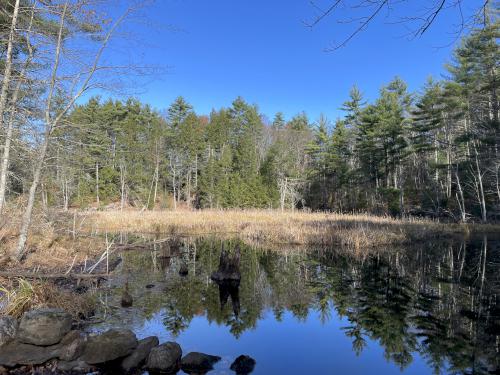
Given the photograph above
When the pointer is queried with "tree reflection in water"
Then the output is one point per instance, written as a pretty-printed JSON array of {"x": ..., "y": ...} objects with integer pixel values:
[{"x": 439, "y": 300}]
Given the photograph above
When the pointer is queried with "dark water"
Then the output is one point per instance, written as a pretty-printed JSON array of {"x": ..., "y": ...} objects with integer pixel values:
[{"x": 431, "y": 308}]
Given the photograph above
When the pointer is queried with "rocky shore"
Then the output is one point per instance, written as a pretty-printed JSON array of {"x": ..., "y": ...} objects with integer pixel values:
[{"x": 43, "y": 342}]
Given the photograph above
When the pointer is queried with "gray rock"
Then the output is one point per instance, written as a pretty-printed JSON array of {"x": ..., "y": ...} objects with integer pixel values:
[
  {"x": 8, "y": 329},
  {"x": 164, "y": 358},
  {"x": 108, "y": 346},
  {"x": 76, "y": 365},
  {"x": 18, "y": 353},
  {"x": 195, "y": 362},
  {"x": 140, "y": 354},
  {"x": 44, "y": 327},
  {"x": 72, "y": 346},
  {"x": 243, "y": 365}
]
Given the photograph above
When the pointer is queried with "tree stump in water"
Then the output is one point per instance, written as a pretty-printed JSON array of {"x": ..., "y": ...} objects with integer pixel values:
[{"x": 229, "y": 267}]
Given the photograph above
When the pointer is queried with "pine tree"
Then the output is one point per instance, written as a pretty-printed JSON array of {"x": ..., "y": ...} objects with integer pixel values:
[{"x": 279, "y": 121}]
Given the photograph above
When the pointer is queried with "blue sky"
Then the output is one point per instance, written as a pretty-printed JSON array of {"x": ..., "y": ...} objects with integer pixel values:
[{"x": 261, "y": 50}]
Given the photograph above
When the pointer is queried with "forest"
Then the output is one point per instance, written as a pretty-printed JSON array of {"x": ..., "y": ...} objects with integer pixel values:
[
  {"x": 139, "y": 237},
  {"x": 431, "y": 153}
]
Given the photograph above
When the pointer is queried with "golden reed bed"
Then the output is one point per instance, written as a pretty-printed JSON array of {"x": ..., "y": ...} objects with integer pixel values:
[{"x": 353, "y": 231}]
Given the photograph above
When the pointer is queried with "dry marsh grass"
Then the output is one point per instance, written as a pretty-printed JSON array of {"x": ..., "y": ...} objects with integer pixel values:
[
  {"x": 19, "y": 295},
  {"x": 353, "y": 231},
  {"x": 53, "y": 240}
]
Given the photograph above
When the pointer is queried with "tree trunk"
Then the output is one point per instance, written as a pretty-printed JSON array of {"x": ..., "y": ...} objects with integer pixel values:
[
  {"x": 97, "y": 183},
  {"x": 122, "y": 185},
  {"x": 23, "y": 233},
  {"x": 3, "y": 101},
  {"x": 4, "y": 167},
  {"x": 461, "y": 200},
  {"x": 8, "y": 62},
  {"x": 157, "y": 172},
  {"x": 480, "y": 189},
  {"x": 188, "y": 187},
  {"x": 157, "y": 177},
  {"x": 497, "y": 175}
]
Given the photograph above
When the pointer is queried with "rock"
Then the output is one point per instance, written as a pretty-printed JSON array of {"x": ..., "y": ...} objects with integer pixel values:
[
  {"x": 140, "y": 354},
  {"x": 76, "y": 365},
  {"x": 108, "y": 346},
  {"x": 44, "y": 327},
  {"x": 243, "y": 365},
  {"x": 8, "y": 329},
  {"x": 16, "y": 353},
  {"x": 195, "y": 362},
  {"x": 164, "y": 358},
  {"x": 72, "y": 346}
]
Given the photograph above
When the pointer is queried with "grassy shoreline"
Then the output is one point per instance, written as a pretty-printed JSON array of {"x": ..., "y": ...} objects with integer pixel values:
[
  {"x": 60, "y": 238},
  {"x": 352, "y": 231},
  {"x": 64, "y": 241}
]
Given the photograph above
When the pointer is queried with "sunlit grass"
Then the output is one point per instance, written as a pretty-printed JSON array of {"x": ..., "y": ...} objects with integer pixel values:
[
  {"x": 354, "y": 231},
  {"x": 20, "y": 295}
]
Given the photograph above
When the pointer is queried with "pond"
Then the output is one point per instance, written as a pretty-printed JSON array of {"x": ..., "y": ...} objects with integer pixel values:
[{"x": 432, "y": 308}]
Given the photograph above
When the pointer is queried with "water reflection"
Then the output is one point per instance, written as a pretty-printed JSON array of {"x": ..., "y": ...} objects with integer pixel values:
[{"x": 438, "y": 302}]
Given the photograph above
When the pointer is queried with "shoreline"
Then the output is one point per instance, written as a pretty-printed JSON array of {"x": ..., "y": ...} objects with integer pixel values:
[
  {"x": 78, "y": 240},
  {"x": 272, "y": 227}
]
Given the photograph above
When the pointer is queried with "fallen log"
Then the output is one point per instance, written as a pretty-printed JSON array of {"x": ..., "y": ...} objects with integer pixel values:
[{"x": 33, "y": 275}]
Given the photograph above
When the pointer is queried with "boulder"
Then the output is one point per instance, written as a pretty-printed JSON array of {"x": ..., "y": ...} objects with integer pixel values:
[
  {"x": 72, "y": 346},
  {"x": 195, "y": 362},
  {"x": 17, "y": 353},
  {"x": 43, "y": 327},
  {"x": 8, "y": 329},
  {"x": 243, "y": 365},
  {"x": 77, "y": 365},
  {"x": 108, "y": 346},
  {"x": 164, "y": 358},
  {"x": 140, "y": 354}
]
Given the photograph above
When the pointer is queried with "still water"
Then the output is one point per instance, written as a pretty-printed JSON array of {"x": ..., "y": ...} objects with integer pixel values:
[{"x": 432, "y": 308}]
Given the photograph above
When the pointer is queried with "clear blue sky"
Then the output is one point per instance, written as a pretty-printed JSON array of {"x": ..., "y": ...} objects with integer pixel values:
[{"x": 261, "y": 50}]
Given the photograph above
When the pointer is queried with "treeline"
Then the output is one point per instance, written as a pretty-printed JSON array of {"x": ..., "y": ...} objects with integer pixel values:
[{"x": 433, "y": 153}]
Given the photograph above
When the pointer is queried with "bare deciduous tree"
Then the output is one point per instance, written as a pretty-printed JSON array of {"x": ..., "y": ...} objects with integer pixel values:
[
  {"x": 363, "y": 13},
  {"x": 70, "y": 84}
]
